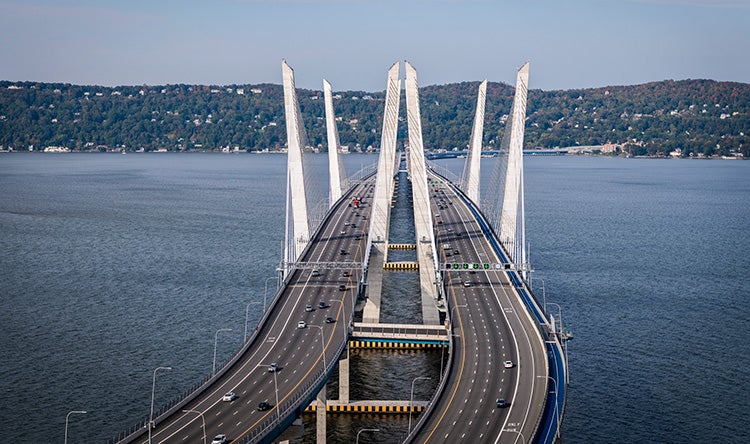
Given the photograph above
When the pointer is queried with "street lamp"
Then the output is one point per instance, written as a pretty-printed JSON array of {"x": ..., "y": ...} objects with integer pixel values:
[
  {"x": 456, "y": 306},
  {"x": 247, "y": 309},
  {"x": 265, "y": 291},
  {"x": 559, "y": 314},
  {"x": 276, "y": 388},
  {"x": 80, "y": 412},
  {"x": 364, "y": 430},
  {"x": 346, "y": 325},
  {"x": 202, "y": 418},
  {"x": 216, "y": 340},
  {"x": 411, "y": 398},
  {"x": 544, "y": 294},
  {"x": 322, "y": 345},
  {"x": 153, "y": 389}
]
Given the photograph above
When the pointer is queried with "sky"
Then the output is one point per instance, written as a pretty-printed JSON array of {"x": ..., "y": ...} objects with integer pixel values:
[{"x": 352, "y": 43}]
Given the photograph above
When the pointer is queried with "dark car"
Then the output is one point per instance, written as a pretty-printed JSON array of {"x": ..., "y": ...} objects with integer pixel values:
[
  {"x": 330, "y": 320},
  {"x": 501, "y": 402},
  {"x": 342, "y": 287},
  {"x": 263, "y": 406},
  {"x": 322, "y": 304}
]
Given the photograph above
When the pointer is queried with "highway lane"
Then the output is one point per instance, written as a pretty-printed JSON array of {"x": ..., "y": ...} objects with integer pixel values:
[
  {"x": 297, "y": 351},
  {"x": 490, "y": 326}
]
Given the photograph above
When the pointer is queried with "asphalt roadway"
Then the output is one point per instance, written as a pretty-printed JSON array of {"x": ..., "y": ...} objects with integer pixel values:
[
  {"x": 490, "y": 325},
  {"x": 298, "y": 352}
]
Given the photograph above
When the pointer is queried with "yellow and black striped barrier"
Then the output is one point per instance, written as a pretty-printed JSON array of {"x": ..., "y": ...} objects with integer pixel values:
[
  {"x": 402, "y": 246},
  {"x": 401, "y": 266},
  {"x": 392, "y": 345},
  {"x": 356, "y": 408}
]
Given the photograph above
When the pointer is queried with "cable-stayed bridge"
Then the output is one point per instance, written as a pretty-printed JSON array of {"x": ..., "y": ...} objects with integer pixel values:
[{"x": 506, "y": 373}]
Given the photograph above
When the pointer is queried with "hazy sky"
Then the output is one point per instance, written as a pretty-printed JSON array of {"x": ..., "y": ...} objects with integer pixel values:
[{"x": 352, "y": 43}]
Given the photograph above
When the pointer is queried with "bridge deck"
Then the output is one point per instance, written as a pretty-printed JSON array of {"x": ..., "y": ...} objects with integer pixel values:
[{"x": 489, "y": 325}]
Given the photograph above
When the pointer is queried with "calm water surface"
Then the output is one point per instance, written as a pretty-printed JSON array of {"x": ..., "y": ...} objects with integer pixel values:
[{"x": 113, "y": 265}]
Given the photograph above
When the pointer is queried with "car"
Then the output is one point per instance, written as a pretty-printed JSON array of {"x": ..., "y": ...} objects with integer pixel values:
[
  {"x": 342, "y": 251},
  {"x": 309, "y": 308},
  {"x": 322, "y": 304},
  {"x": 501, "y": 402},
  {"x": 229, "y": 397},
  {"x": 301, "y": 324},
  {"x": 456, "y": 252},
  {"x": 343, "y": 232},
  {"x": 467, "y": 284},
  {"x": 357, "y": 237},
  {"x": 316, "y": 273},
  {"x": 364, "y": 217},
  {"x": 263, "y": 406},
  {"x": 330, "y": 320},
  {"x": 508, "y": 364},
  {"x": 342, "y": 287},
  {"x": 219, "y": 439},
  {"x": 273, "y": 367},
  {"x": 346, "y": 224},
  {"x": 346, "y": 274},
  {"x": 354, "y": 225}
]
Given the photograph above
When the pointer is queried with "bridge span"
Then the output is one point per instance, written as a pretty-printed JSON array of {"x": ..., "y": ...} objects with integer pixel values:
[{"x": 506, "y": 374}]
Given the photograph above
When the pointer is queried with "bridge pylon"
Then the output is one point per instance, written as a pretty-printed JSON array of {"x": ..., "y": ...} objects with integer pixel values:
[
  {"x": 512, "y": 217},
  {"x": 377, "y": 242},
  {"x": 471, "y": 173},
  {"x": 297, "y": 223},
  {"x": 423, "y": 217},
  {"x": 335, "y": 167}
]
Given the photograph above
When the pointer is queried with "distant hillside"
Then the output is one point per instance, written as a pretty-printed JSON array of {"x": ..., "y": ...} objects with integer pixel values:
[{"x": 700, "y": 117}]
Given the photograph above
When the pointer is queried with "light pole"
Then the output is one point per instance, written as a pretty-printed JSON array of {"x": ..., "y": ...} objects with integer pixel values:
[
  {"x": 322, "y": 345},
  {"x": 216, "y": 340},
  {"x": 202, "y": 418},
  {"x": 346, "y": 325},
  {"x": 247, "y": 309},
  {"x": 364, "y": 430},
  {"x": 411, "y": 398},
  {"x": 544, "y": 294},
  {"x": 559, "y": 315},
  {"x": 265, "y": 291},
  {"x": 153, "y": 390},
  {"x": 79, "y": 412},
  {"x": 275, "y": 387},
  {"x": 450, "y": 324},
  {"x": 457, "y": 306}
]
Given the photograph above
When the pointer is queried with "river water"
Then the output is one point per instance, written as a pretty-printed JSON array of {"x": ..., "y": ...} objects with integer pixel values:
[{"x": 113, "y": 265}]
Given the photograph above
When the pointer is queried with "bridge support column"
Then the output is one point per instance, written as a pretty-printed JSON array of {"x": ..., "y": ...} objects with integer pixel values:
[
  {"x": 320, "y": 416},
  {"x": 344, "y": 380}
]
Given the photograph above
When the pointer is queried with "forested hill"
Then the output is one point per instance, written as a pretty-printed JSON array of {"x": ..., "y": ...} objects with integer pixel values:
[{"x": 700, "y": 117}]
